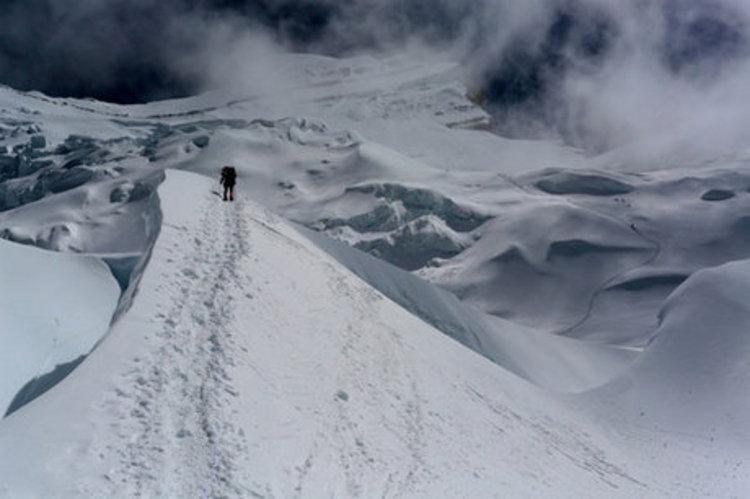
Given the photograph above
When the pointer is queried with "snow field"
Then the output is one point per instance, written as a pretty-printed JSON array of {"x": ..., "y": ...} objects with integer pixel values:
[
  {"x": 605, "y": 291},
  {"x": 309, "y": 387}
]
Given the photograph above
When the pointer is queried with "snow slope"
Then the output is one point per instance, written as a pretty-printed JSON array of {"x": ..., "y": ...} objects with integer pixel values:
[
  {"x": 685, "y": 395},
  {"x": 53, "y": 309},
  {"x": 603, "y": 296},
  {"x": 694, "y": 373},
  {"x": 371, "y": 151},
  {"x": 230, "y": 375},
  {"x": 555, "y": 362}
]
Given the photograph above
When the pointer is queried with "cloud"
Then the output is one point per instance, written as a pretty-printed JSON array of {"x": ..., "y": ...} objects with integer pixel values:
[
  {"x": 604, "y": 74},
  {"x": 107, "y": 48},
  {"x": 599, "y": 73}
]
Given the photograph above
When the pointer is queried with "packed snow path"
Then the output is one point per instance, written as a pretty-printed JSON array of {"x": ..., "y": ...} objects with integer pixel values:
[{"x": 175, "y": 400}]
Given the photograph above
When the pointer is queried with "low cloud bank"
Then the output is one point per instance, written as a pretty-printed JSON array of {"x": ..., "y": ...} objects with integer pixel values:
[{"x": 598, "y": 73}]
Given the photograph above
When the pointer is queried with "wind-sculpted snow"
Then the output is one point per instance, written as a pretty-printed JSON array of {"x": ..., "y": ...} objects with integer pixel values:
[
  {"x": 244, "y": 359},
  {"x": 551, "y": 254},
  {"x": 399, "y": 185},
  {"x": 344, "y": 393},
  {"x": 82, "y": 211},
  {"x": 691, "y": 381},
  {"x": 558, "y": 363},
  {"x": 230, "y": 375},
  {"x": 640, "y": 282},
  {"x": 53, "y": 309},
  {"x": 554, "y": 247},
  {"x": 694, "y": 371},
  {"x": 104, "y": 178}
]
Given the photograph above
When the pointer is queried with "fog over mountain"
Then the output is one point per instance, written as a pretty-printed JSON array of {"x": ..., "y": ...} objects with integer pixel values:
[
  {"x": 85, "y": 48},
  {"x": 601, "y": 73},
  {"x": 579, "y": 66}
]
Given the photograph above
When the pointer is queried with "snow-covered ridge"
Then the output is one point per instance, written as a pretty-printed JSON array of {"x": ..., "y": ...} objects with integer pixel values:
[
  {"x": 344, "y": 392},
  {"x": 449, "y": 204},
  {"x": 560, "y": 269}
]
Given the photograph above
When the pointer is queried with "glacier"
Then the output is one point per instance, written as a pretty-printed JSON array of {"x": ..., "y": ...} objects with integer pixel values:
[{"x": 400, "y": 303}]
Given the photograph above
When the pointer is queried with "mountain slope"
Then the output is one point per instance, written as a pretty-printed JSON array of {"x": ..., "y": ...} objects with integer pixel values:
[
  {"x": 257, "y": 381},
  {"x": 55, "y": 307},
  {"x": 390, "y": 156},
  {"x": 250, "y": 359}
]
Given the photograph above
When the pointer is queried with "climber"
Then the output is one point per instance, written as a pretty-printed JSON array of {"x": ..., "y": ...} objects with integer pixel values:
[{"x": 228, "y": 179}]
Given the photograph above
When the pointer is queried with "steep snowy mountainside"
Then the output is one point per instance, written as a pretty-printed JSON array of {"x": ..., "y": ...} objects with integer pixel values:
[
  {"x": 330, "y": 144},
  {"x": 252, "y": 359},
  {"x": 555, "y": 362},
  {"x": 366, "y": 150},
  {"x": 231, "y": 375}
]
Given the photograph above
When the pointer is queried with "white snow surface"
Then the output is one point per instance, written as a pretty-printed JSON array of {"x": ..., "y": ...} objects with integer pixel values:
[
  {"x": 556, "y": 362},
  {"x": 54, "y": 307},
  {"x": 561, "y": 325},
  {"x": 230, "y": 375}
]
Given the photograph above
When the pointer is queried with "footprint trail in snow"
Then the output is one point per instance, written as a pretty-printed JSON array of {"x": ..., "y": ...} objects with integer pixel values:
[{"x": 174, "y": 409}]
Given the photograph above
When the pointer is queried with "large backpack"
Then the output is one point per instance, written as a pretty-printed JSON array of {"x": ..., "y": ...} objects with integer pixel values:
[{"x": 228, "y": 174}]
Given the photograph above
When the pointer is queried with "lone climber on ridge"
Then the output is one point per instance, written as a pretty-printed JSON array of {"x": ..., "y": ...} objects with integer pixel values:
[{"x": 228, "y": 179}]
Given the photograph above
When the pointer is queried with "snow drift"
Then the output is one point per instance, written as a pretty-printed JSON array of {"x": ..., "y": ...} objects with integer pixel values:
[{"x": 53, "y": 309}]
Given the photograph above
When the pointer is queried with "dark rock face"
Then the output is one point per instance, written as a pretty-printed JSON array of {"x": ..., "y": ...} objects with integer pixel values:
[
  {"x": 124, "y": 53},
  {"x": 702, "y": 35},
  {"x": 525, "y": 85}
]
